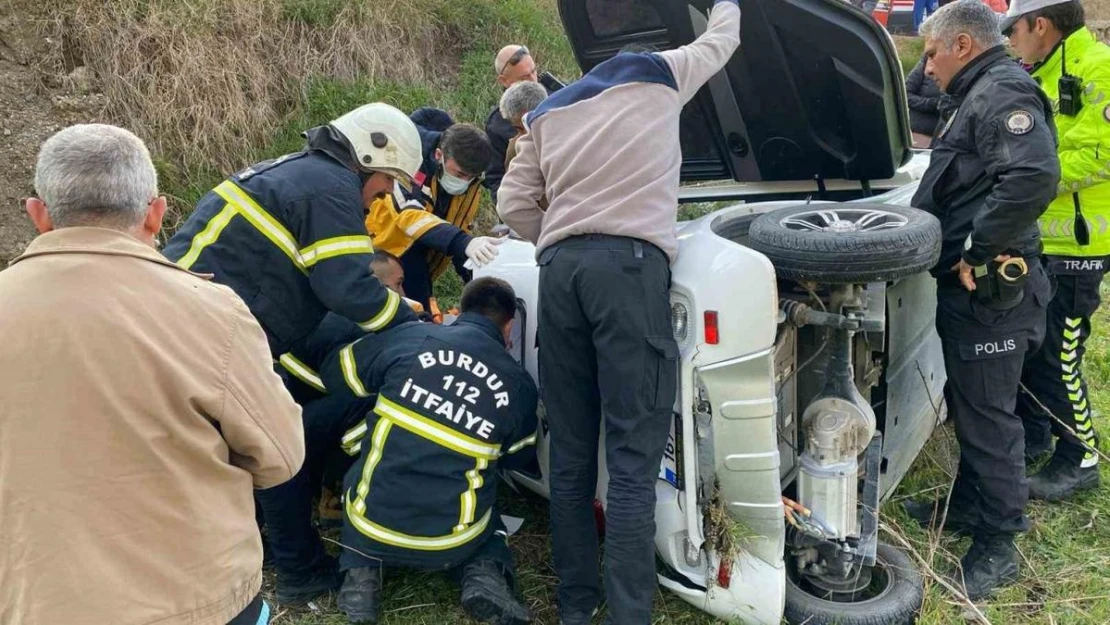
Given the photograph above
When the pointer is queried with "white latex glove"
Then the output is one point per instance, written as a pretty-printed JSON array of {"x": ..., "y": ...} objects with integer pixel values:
[{"x": 482, "y": 250}]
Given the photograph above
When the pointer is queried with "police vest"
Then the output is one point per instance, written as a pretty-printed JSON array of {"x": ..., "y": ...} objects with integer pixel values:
[{"x": 1084, "y": 148}]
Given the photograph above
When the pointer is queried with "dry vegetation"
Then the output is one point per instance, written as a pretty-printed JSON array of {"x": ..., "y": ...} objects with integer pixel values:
[{"x": 214, "y": 85}]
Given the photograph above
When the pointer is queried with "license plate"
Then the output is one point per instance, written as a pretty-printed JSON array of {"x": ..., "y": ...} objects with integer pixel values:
[{"x": 670, "y": 469}]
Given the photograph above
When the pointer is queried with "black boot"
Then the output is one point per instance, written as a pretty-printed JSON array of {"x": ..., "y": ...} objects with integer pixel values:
[
  {"x": 487, "y": 597},
  {"x": 1062, "y": 478},
  {"x": 361, "y": 596},
  {"x": 302, "y": 587},
  {"x": 960, "y": 520},
  {"x": 990, "y": 563}
]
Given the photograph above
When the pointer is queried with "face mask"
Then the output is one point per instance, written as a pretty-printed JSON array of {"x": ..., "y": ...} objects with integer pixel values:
[{"x": 451, "y": 184}]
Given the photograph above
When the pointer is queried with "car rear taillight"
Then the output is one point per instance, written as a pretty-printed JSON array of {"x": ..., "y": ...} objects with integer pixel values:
[{"x": 712, "y": 333}]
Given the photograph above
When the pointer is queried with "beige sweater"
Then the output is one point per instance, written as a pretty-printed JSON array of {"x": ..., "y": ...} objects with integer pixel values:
[
  {"x": 605, "y": 150},
  {"x": 138, "y": 410}
]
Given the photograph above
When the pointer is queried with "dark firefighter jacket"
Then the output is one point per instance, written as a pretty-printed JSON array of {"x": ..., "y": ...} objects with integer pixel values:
[
  {"x": 993, "y": 168},
  {"x": 299, "y": 367},
  {"x": 427, "y": 228},
  {"x": 452, "y": 409},
  {"x": 287, "y": 236}
]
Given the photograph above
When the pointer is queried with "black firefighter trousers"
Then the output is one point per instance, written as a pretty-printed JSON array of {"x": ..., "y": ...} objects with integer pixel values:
[
  {"x": 607, "y": 355},
  {"x": 984, "y": 353},
  {"x": 1054, "y": 373}
]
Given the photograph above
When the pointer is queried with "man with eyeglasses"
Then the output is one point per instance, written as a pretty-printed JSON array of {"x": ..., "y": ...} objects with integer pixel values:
[
  {"x": 513, "y": 64},
  {"x": 428, "y": 227}
]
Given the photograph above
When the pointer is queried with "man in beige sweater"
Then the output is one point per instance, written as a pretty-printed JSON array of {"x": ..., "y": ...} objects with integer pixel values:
[
  {"x": 138, "y": 409},
  {"x": 605, "y": 151}
]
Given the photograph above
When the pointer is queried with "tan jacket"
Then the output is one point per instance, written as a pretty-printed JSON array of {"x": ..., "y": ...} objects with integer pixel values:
[{"x": 138, "y": 408}]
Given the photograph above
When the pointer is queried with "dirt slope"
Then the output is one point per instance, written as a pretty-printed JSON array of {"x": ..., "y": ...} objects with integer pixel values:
[{"x": 32, "y": 107}]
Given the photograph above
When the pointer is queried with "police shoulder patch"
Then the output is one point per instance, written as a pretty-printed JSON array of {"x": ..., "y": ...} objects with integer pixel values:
[{"x": 1019, "y": 122}]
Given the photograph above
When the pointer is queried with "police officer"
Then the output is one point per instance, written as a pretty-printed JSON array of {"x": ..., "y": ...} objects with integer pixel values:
[
  {"x": 993, "y": 171},
  {"x": 1046, "y": 33},
  {"x": 452, "y": 408},
  {"x": 287, "y": 235},
  {"x": 428, "y": 227}
]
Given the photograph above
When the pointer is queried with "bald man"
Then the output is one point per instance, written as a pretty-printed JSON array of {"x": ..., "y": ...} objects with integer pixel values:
[{"x": 513, "y": 64}]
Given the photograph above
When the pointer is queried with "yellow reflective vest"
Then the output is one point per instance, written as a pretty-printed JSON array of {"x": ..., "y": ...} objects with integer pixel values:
[
  {"x": 1084, "y": 147},
  {"x": 394, "y": 222}
]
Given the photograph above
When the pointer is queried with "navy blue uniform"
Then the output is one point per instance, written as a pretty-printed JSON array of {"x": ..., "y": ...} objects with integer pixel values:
[
  {"x": 287, "y": 236},
  {"x": 993, "y": 171},
  {"x": 452, "y": 409},
  {"x": 287, "y": 508}
]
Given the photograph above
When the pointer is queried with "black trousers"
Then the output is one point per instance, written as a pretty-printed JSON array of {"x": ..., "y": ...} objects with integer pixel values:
[
  {"x": 607, "y": 355},
  {"x": 287, "y": 508},
  {"x": 1054, "y": 374},
  {"x": 256, "y": 613},
  {"x": 984, "y": 353}
]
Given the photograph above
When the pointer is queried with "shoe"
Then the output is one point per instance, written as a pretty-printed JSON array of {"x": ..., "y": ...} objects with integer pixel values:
[
  {"x": 300, "y": 589},
  {"x": 990, "y": 563},
  {"x": 487, "y": 597},
  {"x": 1062, "y": 478},
  {"x": 360, "y": 597},
  {"x": 928, "y": 514}
]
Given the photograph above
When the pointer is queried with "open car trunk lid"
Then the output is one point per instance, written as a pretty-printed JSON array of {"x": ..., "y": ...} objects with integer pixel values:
[{"x": 815, "y": 91}]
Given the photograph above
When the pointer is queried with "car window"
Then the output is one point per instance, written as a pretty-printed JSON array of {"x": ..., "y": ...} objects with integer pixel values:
[{"x": 612, "y": 18}]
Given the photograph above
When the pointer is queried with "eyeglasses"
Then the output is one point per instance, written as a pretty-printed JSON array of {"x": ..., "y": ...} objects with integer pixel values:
[{"x": 517, "y": 57}]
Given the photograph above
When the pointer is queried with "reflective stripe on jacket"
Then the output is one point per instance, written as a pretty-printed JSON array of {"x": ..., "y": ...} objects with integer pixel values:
[
  {"x": 1084, "y": 147},
  {"x": 287, "y": 236},
  {"x": 452, "y": 409}
]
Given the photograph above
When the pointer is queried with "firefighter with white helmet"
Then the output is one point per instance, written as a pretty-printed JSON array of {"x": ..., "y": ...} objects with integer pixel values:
[{"x": 287, "y": 235}]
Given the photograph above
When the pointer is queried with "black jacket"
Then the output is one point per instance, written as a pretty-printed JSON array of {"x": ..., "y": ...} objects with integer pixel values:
[
  {"x": 287, "y": 235},
  {"x": 452, "y": 409},
  {"x": 500, "y": 132},
  {"x": 994, "y": 168},
  {"x": 299, "y": 368},
  {"x": 924, "y": 96}
]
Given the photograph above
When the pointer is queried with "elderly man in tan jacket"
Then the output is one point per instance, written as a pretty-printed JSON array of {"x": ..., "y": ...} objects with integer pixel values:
[{"x": 138, "y": 408}]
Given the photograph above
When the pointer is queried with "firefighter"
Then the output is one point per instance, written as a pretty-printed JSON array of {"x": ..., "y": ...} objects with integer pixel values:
[
  {"x": 452, "y": 408},
  {"x": 428, "y": 227},
  {"x": 1046, "y": 33},
  {"x": 287, "y": 234},
  {"x": 304, "y": 570},
  {"x": 992, "y": 172}
]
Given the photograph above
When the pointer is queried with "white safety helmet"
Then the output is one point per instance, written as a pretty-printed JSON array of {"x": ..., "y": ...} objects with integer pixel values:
[{"x": 382, "y": 139}]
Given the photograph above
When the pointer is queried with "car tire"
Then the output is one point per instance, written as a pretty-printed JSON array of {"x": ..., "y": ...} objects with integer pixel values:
[
  {"x": 898, "y": 602},
  {"x": 804, "y": 245}
]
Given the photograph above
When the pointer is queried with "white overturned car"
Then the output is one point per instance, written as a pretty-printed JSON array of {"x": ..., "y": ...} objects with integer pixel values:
[{"x": 810, "y": 367}]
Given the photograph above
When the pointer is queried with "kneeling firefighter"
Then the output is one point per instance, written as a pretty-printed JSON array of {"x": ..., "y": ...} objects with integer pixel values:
[
  {"x": 304, "y": 569},
  {"x": 452, "y": 409},
  {"x": 428, "y": 227}
]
